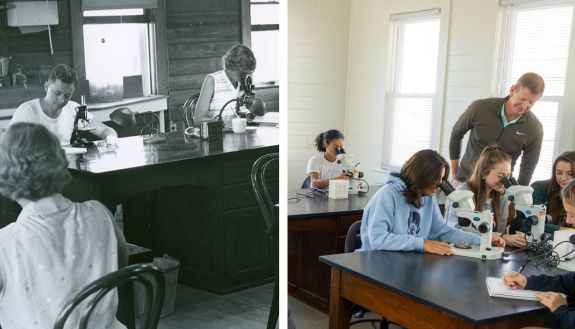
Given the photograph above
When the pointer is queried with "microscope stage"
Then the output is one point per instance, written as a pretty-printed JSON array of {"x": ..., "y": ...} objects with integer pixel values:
[{"x": 494, "y": 253}]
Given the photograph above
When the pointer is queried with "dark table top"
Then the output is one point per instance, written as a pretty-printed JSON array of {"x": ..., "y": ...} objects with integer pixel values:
[
  {"x": 452, "y": 284},
  {"x": 133, "y": 153},
  {"x": 318, "y": 206}
]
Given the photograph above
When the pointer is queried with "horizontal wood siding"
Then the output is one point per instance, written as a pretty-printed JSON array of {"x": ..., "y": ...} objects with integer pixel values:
[{"x": 198, "y": 34}]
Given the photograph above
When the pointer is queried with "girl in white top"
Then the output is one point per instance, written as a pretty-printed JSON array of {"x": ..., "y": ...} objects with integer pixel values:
[
  {"x": 489, "y": 192},
  {"x": 323, "y": 166},
  {"x": 222, "y": 86},
  {"x": 56, "y": 246}
]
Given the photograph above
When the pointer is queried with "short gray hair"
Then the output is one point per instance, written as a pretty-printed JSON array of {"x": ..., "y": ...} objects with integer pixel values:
[{"x": 32, "y": 163}]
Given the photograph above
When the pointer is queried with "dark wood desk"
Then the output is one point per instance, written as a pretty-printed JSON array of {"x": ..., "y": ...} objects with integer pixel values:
[
  {"x": 318, "y": 226},
  {"x": 191, "y": 200},
  {"x": 418, "y": 290}
]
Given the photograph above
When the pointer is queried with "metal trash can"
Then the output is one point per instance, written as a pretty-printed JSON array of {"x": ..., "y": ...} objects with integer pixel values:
[{"x": 170, "y": 267}]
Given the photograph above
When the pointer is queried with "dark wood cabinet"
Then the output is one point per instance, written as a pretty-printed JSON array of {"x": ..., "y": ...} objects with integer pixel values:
[{"x": 309, "y": 238}]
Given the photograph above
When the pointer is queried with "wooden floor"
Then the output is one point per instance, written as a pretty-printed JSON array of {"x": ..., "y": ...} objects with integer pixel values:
[{"x": 198, "y": 309}]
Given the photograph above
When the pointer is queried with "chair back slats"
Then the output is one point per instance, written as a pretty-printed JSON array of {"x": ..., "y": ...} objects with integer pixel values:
[
  {"x": 262, "y": 188},
  {"x": 189, "y": 109},
  {"x": 147, "y": 274}
]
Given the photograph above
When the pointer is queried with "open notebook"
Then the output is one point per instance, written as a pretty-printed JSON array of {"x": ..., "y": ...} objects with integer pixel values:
[{"x": 496, "y": 288}]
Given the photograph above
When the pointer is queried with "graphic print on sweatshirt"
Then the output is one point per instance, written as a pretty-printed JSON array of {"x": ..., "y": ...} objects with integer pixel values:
[{"x": 413, "y": 223}]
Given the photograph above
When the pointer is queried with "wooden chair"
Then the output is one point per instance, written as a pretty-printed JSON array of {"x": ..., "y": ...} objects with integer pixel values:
[
  {"x": 189, "y": 109},
  {"x": 148, "y": 275},
  {"x": 270, "y": 212}
]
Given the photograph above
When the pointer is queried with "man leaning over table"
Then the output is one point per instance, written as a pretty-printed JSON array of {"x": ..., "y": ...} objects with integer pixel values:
[
  {"x": 506, "y": 122},
  {"x": 56, "y": 112}
]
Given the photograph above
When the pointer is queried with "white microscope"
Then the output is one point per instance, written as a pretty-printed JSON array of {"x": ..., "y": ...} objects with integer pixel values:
[
  {"x": 525, "y": 210},
  {"x": 356, "y": 182},
  {"x": 482, "y": 221}
]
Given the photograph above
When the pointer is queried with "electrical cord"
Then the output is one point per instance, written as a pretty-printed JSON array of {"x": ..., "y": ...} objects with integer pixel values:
[
  {"x": 313, "y": 193},
  {"x": 552, "y": 257}
]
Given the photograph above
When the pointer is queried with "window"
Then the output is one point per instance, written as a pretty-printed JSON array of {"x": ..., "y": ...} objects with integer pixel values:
[
  {"x": 412, "y": 100},
  {"x": 265, "y": 39},
  {"x": 117, "y": 46},
  {"x": 535, "y": 38}
]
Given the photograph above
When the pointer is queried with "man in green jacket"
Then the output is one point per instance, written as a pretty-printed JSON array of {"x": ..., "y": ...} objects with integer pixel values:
[{"x": 506, "y": 122}]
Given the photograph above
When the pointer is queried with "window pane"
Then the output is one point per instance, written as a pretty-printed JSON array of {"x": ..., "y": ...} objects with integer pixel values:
[
  {"x": 546, "y": 112},
  {"x": 265, "y": 45},
  {"x": 113, "y": 51},
  {"x": 410, "y": 129},
  {"x": 538, "y": 41},
  {"x": 265, "y": 14},
  {"x": 417, "y": 73},
  {"x": 114, "y": 12},
  {"x": 541, "y": 45}
]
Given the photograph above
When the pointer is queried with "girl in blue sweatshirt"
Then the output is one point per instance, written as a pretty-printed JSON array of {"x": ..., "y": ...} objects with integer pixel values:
[
  {"x": 404, "y": 215},
  {"x": 552, "y": 287}
]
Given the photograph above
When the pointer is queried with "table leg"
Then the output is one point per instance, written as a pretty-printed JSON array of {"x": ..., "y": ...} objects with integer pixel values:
[{"x": 339, "y": 308}]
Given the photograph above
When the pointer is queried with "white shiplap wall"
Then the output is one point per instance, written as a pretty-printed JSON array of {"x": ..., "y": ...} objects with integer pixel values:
[
  {"x": 369, "y": 80},
  {"x": 471, "y": 49},
  {"x": 469, "y": 72},
  {"x": 318, "y": 33}
]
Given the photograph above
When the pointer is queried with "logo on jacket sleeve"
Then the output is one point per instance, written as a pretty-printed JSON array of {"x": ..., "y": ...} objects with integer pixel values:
[{"x": 413, "y": 223}]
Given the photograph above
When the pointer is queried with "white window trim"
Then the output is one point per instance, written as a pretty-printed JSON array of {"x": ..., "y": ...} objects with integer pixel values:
[
  {"x": 437, "y": 107},
  {"x": 501, "y": 71}
]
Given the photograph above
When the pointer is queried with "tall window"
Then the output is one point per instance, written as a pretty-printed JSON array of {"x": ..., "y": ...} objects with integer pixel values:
[
  {"x": 411, "y": 103},
  {"x": 265, "y": 39},
  {"x": 117, "y": 46},
  {"x": 535, "y": 38}
]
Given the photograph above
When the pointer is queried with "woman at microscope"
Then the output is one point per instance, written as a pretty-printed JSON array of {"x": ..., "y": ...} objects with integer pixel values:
[
  {"x": 404, "y": 214},
  {"x": 551, "y": 287},
  {"x": 221, "y": 86},
  {"x": 323, "y": 166},
  {"x": 548, "y": 191},
  {"x": 489, "y": 193}
]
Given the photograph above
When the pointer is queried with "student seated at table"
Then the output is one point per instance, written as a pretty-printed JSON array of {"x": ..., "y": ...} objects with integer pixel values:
[
  {"x": 224, "y": 85},
  {"x": 489, "y": 193},
  {"x": 56, "y": 246},
  {"x": 548, "y": 191},
  {"x": 56, "y": 112},
  {"x": 404, "y": 215},
  {"x": 323, "y": 167},
  {"x": 551, "y": 287}
]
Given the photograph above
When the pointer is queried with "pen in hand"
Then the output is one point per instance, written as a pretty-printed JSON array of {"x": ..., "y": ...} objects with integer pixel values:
[{"x": 521, "y": 268}]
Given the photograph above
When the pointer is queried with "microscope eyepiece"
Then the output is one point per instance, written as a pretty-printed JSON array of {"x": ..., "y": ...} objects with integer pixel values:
[
  {"x": 508, "y": 181},
  {"x": 446, "y": 187}
]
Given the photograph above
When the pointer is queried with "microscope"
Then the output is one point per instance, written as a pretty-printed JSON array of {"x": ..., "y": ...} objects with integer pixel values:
[
  {"x": 525, "y": 210},
  {"x": 482, "y": 221},
  {"x": 76, "y": 140},
  {"x": 356, "y": 182}
]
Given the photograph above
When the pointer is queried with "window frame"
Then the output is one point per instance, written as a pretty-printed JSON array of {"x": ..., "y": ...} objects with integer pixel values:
[
  {"x": 154, "y": 17},
  {"x": 502, "y": 71},
  {"x": 394, "y": 76},
  {"x": 248, "y": 28}
]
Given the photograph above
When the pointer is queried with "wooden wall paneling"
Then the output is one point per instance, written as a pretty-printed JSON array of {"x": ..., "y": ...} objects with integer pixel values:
[
  {"x": 187, "y": 20},
  {"x": 199, "y": 50},
  {"x": 201, "y": 6},
  {"x": 203, "y": 33},
  {"x": 198, "y": 34},
  {"x": 200, "y": 65}
]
